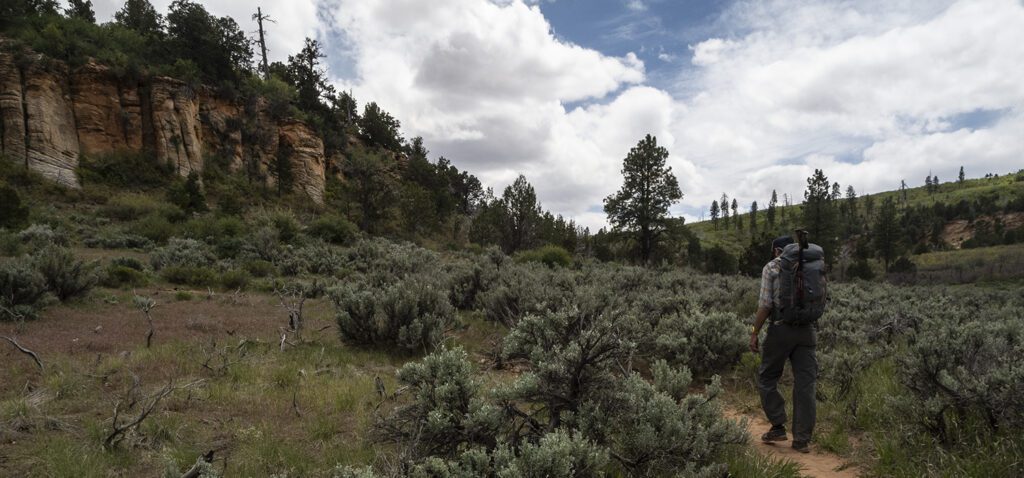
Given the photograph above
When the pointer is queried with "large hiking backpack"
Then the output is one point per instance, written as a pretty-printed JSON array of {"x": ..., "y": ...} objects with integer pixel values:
[{"x": 802, "y": 287}]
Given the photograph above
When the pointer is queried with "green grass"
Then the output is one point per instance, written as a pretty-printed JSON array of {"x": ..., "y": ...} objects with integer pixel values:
[{"x": 745, "y": 462}]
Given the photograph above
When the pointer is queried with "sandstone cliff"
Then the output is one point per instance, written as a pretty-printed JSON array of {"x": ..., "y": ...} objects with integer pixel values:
[{"x": 49, "y": 116}]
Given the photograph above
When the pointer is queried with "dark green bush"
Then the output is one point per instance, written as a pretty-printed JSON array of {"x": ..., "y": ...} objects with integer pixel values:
[
  {"x": 196, "y": 276},
  {"x": 718, "y": 261},
  {"x": 259, "y": 268},
  {"x": 903, "y": 265},
  {"x": 65, "y": 276},
  {"x": 860, "y": 270},
  {"x": 13, "y": 214},
  {"x": 334, "y": 229},
  {"x": 154, "y": 227},
  {"x": 129, "y": 207},
  {"x": 125, "y": 169},
  {"x": 549, "y": 255},
  {"x": 117, "y": 276},
  {"x": 10, "y": 245},
  {"x": 188, "y": 194},
  {"x": 235, "y": 279}
]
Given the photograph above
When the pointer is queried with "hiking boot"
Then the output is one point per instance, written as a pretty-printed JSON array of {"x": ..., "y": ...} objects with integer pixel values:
[
  {"x": 777, "y": 433},
  {"x": 802, "y": 446}
]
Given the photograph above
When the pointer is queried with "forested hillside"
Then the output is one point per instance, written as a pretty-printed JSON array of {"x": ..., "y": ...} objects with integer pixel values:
[{"x": 893, "y": 231}]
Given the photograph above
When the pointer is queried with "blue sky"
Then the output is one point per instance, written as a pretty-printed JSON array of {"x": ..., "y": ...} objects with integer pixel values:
[{"x": 658, "y": 31}]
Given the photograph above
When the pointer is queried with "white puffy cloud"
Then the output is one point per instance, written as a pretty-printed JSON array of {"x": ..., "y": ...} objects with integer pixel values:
[
  {"x": 486, "y": 84},
  {"x": 867, "y": 91}
]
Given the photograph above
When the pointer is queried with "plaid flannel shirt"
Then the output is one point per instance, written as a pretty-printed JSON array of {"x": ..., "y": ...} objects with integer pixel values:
[{"x": 768, "y": 297}]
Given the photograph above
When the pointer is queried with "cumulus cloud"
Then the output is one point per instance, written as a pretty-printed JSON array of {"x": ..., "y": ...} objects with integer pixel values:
[
  {"x": 865, "y": 91},
  {"x": 486, "y": 85}
]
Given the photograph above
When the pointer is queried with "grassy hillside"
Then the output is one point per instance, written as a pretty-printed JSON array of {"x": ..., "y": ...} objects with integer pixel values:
[{"x": 997, "y": 191}]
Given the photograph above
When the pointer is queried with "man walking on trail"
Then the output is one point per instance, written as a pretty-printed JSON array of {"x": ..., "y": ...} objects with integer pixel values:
[{"x": 791, "y": 300}]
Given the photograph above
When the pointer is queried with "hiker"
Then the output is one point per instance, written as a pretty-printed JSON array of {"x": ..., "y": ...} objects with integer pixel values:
[{"x": 792, "y": 298}]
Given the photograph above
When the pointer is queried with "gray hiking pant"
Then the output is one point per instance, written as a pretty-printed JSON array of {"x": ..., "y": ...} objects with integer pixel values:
[{"x": 797, "y": 344}]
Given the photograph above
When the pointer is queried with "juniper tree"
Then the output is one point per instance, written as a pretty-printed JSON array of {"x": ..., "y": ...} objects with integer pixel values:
[
  {"x": 961, "y": 178},
  {"x": 649, "y": 188},
  {"x": 521, "y": 215}
]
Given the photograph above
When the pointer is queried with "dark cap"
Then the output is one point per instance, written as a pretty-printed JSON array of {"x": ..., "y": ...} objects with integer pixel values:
[{"x": 781, "y": 242}]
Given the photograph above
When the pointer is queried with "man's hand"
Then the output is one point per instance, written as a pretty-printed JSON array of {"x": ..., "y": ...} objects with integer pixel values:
[{"x": 753, "y": 343}]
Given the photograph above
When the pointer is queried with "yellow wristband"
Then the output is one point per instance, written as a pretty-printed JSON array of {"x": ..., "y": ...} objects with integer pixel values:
[{"x": 754, "y": 330}]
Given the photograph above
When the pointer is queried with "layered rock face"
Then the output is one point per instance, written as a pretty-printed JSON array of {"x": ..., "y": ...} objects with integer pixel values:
[
  {"x": 38, "y": 121},
  {"x": 49, "y": 116}
]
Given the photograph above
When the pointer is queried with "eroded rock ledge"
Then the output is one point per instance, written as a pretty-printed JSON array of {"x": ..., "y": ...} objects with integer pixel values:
[{"x": 50, "y": 116}]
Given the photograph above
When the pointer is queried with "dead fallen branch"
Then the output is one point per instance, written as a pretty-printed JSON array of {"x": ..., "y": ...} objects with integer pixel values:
[
  {"x": 24, "y": 350},
  {"x": 119, "y": 429}
]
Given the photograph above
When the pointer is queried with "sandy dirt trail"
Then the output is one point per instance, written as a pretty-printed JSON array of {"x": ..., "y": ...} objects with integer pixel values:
[{"x": 816, "y": 464}]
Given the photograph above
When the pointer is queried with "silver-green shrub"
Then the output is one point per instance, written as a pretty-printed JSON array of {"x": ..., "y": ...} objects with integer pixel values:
[
  {"x": 182, "y": 253},
  {"x": 65, "y": 276},
  {"x": 411, "y": 314},
  {"x": 22, "y": 288}
]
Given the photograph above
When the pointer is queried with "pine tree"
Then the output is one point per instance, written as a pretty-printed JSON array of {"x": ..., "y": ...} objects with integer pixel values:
[
  {"x": 770, "y": 214},
  {"x": 961, "y": 178},
  {"x": 81, "y": 9},
  {"x": 736, "y": 215},
  {"x": 725, "y": 210},
  {"x": 714, "y": 214},
  {"x": 309, "y": 77},
  {"x": 836, "y": 191},
  {"x": 903, "y": 190},
  {"x": 819, "y": 212},
  {"x": 139, "y": 15},
  {"x": 649, "y": 188},
  {"x": 886, "y": 233},
  {"x": 753, "y": 218}
]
